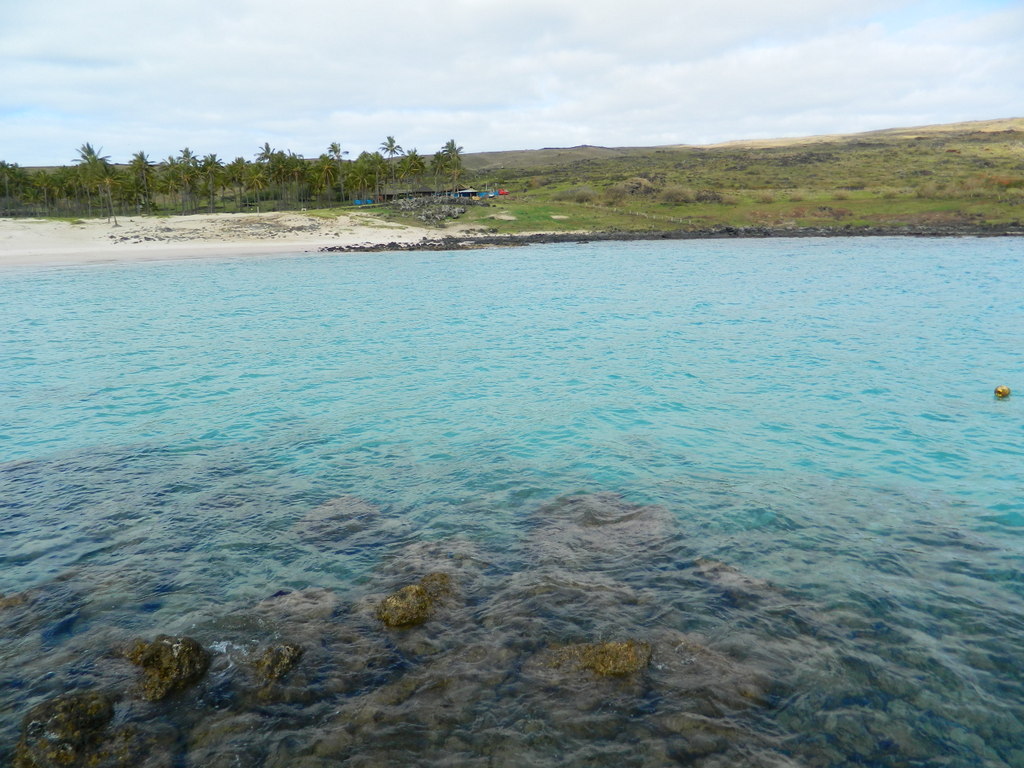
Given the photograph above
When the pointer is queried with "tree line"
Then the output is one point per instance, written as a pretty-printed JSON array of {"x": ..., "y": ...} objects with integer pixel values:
[{"x": 188, "y": 183}]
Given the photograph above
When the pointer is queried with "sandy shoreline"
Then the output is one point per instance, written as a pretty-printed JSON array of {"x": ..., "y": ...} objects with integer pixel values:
[{"x": 42, "y": 242}]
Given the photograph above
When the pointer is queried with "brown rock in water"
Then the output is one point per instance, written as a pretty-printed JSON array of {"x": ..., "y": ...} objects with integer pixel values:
[
  {"x": 611, "y": 659},
  {"x": 437, "y": 585},
  {"x": 63, "y": 731},
  {"x": 708, "y": 681},
  {"x": 11, "y": 601},
  {"x": 733, "y": 582},
  {"x": 407, "y": 607},
  {"x": 278, "y": 661},
  {"x": 414, "y": 604},
  {"x": 169, "y": 664}
]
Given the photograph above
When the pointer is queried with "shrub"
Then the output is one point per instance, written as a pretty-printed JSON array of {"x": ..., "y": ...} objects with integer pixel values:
[
  {"x": 638, "y": 186},
  {"x": 614, "y": 194},
  {"x": 577, "y": 195},
  {"x": 676, "y": 193},
  {"x": 709, "y": 196},
  {"x": 766, "y": 197}
]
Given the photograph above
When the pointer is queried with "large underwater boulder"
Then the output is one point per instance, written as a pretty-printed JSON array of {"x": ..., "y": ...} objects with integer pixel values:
[{"x": 64, "y": 730}]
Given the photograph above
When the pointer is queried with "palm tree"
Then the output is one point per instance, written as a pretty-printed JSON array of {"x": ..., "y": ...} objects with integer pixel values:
[
  {"x": 412, "y": 165},
  {"x": 48, "y": 186},
  {"x": 235, "y": 174},
  {"x": 109, "y": 179},
  {"x": 188, "y": 174},
  {"x": 437, "y": 168},
  {"x": 98, "y": 174},
  {"x": 212, "y": 168},
  {"x": 391, "y": 150},
  {"x": 170, "y": 177},
  {"x": 90, "y": 168},
  {"x": 362, "y": 174},
  {"x": 452, "y": 153},
  {"x": 323, "y": 174},
  {"x": 265, "y": 153},
  {"x": 65, "y": 181},
  {"x": 298, "y": 169},
  {"x": 142, "y": 173},
  {"x": 12, "y": 176},
  {"x": 278, "y": 170},
  {"x": 337, "y": 154},
  {"x": 256, "y": 180}
]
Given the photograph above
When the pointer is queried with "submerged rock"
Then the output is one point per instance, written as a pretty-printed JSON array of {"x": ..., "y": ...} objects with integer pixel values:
[
  {"x": 414, "y": 604},
  {"x": 299, "y": 606},
  {"x": 597, "y": 529},
  {"x": 710, "y": 682},
  {"x": 169, "y": 664},
  {"x": 611, "y": 659},
  {"x": 276, "y": 662},
  {"x": 735, "y": 584},
  {"x": 343, "y": 519},
  {"x": 64, "y": 730},
  {"x": 12, "y": 601}
]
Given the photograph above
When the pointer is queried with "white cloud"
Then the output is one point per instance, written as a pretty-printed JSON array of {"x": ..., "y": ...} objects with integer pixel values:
[{"x": 227, "y": 76}]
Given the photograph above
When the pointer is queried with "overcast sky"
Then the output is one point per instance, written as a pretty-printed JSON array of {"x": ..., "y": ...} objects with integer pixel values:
[{"x": 225, "y": 76}]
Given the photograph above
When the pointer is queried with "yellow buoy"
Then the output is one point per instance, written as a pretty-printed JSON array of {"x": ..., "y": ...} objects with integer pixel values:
[{"x": 1002, "y": 391}]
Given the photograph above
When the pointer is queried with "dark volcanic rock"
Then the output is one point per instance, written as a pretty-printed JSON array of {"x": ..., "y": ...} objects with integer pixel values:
[
  {"x": 64, "y": 730},
  {"x": 466, "y": 242},
  {"x": 169, "y": 664}
]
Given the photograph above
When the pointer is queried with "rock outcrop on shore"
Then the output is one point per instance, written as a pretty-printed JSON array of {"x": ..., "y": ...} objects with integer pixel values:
[{"x": 467, "y": 241}]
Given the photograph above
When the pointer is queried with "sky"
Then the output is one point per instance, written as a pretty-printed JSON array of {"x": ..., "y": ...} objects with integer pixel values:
[{"x": 227, "y": 76}]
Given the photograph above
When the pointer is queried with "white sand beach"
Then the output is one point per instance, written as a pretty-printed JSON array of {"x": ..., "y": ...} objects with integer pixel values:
[{"x": 28, "y": 242}]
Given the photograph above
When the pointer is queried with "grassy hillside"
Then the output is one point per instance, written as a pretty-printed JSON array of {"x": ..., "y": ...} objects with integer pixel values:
[{"x": 962, "y": 174}]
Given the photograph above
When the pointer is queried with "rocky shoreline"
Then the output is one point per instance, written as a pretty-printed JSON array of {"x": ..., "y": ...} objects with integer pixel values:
[{"x": 468, "y": 241}]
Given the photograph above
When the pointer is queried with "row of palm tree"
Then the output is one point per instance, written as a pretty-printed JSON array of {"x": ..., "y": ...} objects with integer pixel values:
[{"x": 188, "y": 183}]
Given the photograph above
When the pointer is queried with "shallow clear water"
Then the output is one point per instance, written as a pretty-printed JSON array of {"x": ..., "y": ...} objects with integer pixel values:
[{"x": 795, "y": 443}]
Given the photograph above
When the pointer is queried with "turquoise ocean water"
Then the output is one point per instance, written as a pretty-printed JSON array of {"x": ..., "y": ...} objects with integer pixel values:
[{"x": 783, "y": 453}]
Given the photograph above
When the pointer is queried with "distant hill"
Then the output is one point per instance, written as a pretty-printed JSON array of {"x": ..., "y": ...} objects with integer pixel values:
[{"x": 527, "y": 159}]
